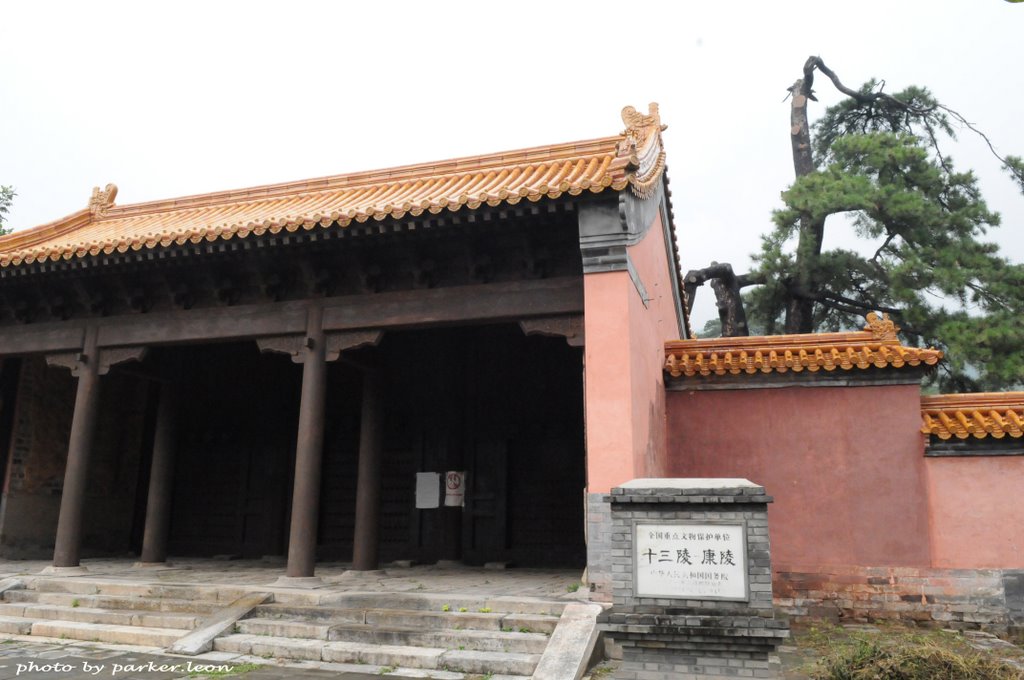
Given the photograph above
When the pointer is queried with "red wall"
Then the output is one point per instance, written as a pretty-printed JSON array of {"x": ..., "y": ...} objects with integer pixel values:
[
  {"x": 650, "y": 327},
  {"x": 624, "y": 359},
  {"x": 845, "y": 465},
  {"x": 977, "y": 509}
]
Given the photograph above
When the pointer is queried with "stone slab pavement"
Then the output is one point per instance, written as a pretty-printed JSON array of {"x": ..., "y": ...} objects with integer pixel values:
[{"x": 262, "y": 574}]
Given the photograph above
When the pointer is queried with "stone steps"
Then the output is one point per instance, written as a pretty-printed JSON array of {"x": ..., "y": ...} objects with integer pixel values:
[
  {"x": 118, "y": 617},
  {"x": 114, "y": 613},
  {"x": 188, "y": 592},
  {"x": 118, "y": 602},
  {"x": 432, "y": 635},
  {"x": 14, "y": 625},
  {"x": 422, "y": 633},
  {"x": 437, "y": 602},
  {"x": 389, "y": 656},
  {"x": 105, "y": 632},
  {"x": 418, "y": 618},
  {"x": 450, "y": 638}
]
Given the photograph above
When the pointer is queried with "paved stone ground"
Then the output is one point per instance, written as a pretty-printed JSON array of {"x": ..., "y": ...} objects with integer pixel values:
[
  {"x": 546, "y": 583},
  {"x": 261, "y": 574}
]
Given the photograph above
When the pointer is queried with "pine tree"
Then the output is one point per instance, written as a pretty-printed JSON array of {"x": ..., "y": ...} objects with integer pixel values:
[
  {"x": 874, "y": 164},
  {"x": 7, "y": 195}
]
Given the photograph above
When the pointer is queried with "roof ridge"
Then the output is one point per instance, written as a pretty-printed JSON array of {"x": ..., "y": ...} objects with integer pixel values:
[
  {"x": 753, "y": 341},
  {"x": 958, "y": 401},
  {"x": 494, "y": 179},
  {"x": 877, "y": 345},
  {"x": 973, "y": 414},
  {"x": 362, "y": 178},
  {"x": 634, "y": 158}
]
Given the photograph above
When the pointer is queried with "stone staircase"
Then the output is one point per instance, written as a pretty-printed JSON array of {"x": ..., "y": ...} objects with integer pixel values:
[
  {"x": 444, "y": 636},
  {"x": 116, "y": 612},
  {"x": 504, "y": 637}
]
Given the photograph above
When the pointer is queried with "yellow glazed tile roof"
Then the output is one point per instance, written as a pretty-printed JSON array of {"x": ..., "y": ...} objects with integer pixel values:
[
  {"x": 633, "y": 158},
  {"x": 986, "y": 414},
  {"x": 876, "y": 346}
]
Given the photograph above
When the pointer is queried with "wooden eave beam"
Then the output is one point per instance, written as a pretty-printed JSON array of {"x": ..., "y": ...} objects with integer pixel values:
[{"x": 493, "y": 302}]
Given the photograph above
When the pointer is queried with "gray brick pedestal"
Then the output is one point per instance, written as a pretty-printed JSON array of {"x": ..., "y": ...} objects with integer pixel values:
[{"x": 692, "y": 580}]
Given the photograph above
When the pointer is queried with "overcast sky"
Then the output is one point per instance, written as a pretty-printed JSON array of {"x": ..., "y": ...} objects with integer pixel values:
[{"x": 176, "y": 98}]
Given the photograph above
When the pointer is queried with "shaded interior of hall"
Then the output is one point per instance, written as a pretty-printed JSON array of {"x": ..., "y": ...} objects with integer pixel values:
[{"x": 505, "y": 407}]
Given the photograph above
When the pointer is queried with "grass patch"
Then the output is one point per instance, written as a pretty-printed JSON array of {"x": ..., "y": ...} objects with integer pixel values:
[
  {"x": 899, "y": 654},
  {"x": 603, "y": 670}
]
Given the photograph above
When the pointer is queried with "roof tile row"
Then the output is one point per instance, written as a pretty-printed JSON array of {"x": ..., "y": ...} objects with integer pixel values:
[
  {"x": 320, "y": 203},
  {"x": 980, "y": 415},
  {"x": 875, "y": 347}
]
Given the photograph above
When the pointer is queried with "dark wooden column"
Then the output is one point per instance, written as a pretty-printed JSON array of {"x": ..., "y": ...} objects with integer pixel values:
[
  {"x": 366, "y": 542},
  {"x": 161, "y": 478},
  {"x": 67, "y": 549},
  {"x": 308, "y": 449},
  {"x": 87, "y": 365},
  {"x": 313, "y": 351}
]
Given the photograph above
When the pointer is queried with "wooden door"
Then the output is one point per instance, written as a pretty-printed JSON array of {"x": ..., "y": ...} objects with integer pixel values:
[{"x": 484, "y": 521}]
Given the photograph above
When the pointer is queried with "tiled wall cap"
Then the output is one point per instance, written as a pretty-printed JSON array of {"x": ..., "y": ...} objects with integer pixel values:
[{"x": 689, "y": 490}]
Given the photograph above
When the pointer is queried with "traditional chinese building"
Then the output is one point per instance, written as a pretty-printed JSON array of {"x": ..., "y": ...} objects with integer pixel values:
[
  {"x": 265, "y": 371},
  {"x": 269, "y": 371}
]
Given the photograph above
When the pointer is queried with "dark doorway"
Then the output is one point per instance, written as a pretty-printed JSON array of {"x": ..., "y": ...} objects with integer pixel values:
[
  {"x": 236, "y": 441},
  {"x": 506, "y": 408},
  {"x": 9, "y": 372}
]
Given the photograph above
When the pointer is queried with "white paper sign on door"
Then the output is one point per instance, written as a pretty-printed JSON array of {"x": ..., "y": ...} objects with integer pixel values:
[
  {"x": 455, "y": 489},
  {"x": 428, "y": 490}
]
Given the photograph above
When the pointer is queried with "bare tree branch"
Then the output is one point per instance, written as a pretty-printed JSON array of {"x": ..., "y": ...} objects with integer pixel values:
[
  {"x": 839, "y": 302},
  {"x": 870, "y": 98},
  {"x": 861, "y": 97},
  {"x": 727, "y": 285},
  {"x": 888, "y": 240}
]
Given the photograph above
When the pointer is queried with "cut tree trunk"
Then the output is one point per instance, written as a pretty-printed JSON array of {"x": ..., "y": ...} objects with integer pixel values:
[
  {"x": 727, "y": 286},
  {"x": 800, "y": 310}
]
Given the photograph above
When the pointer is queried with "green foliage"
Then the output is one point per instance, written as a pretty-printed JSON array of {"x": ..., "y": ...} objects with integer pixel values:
[
  {"x": 7, "y": 195},
  {"x": 881, "y": 173},
  {"x": 1015, "y": 167},
  {"x": 911, "y": 660}
]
